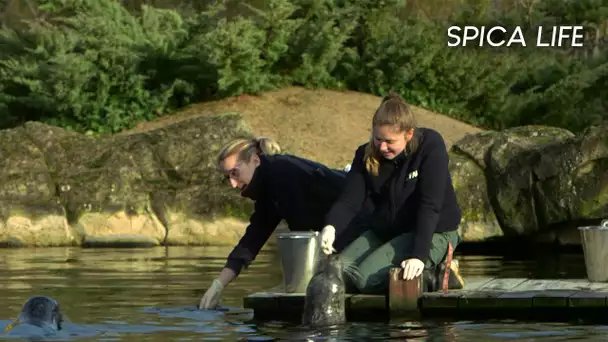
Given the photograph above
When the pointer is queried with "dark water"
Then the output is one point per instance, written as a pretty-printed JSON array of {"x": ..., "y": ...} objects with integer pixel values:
[{"x": 150, "y": 295}]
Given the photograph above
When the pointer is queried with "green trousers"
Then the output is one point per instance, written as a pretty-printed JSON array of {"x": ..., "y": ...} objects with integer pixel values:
[{"x": 374, "y": 257}]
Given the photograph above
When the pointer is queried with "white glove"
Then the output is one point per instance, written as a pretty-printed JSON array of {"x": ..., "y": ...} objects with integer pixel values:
[
  {"x": 212, "y": 297},
  {"x": 412, "y": 268},
  {"x": 328, "y": 236}
]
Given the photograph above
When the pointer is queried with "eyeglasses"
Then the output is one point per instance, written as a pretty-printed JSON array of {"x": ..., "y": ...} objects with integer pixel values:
[{"x": 233, "y": 172}]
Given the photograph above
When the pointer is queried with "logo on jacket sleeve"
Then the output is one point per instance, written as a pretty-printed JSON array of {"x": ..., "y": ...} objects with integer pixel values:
[{"x": 412, "y": 175}]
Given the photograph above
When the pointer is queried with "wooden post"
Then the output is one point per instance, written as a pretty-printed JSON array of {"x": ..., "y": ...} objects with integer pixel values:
[{"x": 403, "y": 295}]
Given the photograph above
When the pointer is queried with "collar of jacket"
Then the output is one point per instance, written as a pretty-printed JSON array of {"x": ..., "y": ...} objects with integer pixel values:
[
  {"x": 398, "y": 160},
  {"x": 255, "y": 188}
]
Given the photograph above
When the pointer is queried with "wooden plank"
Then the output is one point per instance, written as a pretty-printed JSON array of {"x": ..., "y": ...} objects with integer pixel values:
[
  {"x": 543, "y": 293},
  {"x": 261, "y": 302},
  {"x": 588, "y": 299},
  {"x": 403, "y": 294},
  {"x": 474, "y": 283},
  {"x": 553, "y": 298},
  {"x": 437, "y": 300},
  {"x": 363, "y": 302},
  {"x": 578, "y": 296},
  {"x": 501, "y": 284},
  {"x": 516, "y": 300},
  {"x": 599, "y": 287},
  {"x": 275, "y": 295},
  {"x": 471, "y": 285},
  {"x": 291, "y": 303},
  {"x": 550, "y": 284},
  {"x": 478, "y": 300},
  {"x": 452, "y": 300}
]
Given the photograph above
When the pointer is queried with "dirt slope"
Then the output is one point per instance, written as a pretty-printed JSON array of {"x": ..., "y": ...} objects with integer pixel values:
[{"x": 323, "y": 125}]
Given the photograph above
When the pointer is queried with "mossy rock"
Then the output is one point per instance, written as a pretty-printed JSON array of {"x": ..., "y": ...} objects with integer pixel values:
[
  {"x": 24, "y": 175},
  {"x": 533, "y": 177},
  {"x": 537, "y": 180},
  {"x": 478, "y": 221},
  {"x": 30, "y": 224},
  {"x": 540, "y": 133},
  {"x": 475, "y": 146},
  {"x": 573, "y": 179},
  {"x": 123, "y": 186}
]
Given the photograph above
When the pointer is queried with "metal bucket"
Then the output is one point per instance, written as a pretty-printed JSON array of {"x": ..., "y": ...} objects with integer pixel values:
[
  {"x": 299, "y": 253},
  {"x": 594, "y": 240}
]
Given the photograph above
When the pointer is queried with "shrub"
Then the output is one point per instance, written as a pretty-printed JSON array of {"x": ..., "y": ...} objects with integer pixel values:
[{"x": 92, "y": 65}]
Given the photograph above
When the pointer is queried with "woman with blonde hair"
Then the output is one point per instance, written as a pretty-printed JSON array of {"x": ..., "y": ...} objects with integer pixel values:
[
  {"x": 283, "y": 186},
  {"x": 403, "y": 171}
]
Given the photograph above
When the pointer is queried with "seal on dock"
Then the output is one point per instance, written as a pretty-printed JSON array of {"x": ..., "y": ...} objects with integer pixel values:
[
  {"x": 41, "y": 311},
  {"x": 325, "y": 294}
]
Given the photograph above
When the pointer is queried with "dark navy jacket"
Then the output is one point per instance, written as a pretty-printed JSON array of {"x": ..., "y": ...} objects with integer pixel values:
[
  {"x": 411, "y": 193},
  {"x": 286, "y": 187}
]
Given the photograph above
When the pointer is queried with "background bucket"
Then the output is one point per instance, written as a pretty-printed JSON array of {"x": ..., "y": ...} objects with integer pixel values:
[
  {"x": 594, "y": 240},
  {"x": 299, "y": 253}
]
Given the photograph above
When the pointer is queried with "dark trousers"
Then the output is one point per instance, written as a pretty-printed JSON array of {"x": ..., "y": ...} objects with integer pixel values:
[{"x": 374, "y": 255}]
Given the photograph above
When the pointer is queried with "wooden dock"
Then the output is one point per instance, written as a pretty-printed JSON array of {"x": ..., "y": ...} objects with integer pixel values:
[{"x": 507, "y": 298}]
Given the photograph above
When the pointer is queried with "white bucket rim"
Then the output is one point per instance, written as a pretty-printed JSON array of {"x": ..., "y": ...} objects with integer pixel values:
[
  {"x": 602, "y": 226},
  {"x": 297, "y": 235}
]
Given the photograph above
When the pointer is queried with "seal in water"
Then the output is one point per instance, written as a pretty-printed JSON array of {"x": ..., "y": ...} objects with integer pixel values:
[
  {"x": 40, "y": 311},
  {"x": 325, "y": 293}
]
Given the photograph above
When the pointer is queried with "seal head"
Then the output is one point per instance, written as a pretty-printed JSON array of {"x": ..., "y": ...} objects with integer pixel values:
[
  {"x": 325, "y": 294},
  {"x": 40, "y": 311}
]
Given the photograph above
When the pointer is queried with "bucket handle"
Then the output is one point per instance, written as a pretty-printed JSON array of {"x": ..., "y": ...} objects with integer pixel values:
[{"x": 604, "y": 224}]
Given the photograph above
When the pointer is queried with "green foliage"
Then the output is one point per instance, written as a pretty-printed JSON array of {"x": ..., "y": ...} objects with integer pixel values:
[
  {"x": 93, "y": 65},
  {"x": 82, "y": 71}
]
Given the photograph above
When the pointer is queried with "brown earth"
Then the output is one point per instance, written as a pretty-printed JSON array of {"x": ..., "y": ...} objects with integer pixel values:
[{"x": 320, "y": 124}]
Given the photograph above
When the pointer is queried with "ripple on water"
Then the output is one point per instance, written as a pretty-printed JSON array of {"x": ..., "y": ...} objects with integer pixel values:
[{"x": 149, "y": 294}]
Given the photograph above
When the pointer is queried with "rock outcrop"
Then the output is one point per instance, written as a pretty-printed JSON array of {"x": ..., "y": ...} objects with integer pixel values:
[
  {"x": 161, "y": 188},
  {"x": 158, "y": 187},
  {"x": 532, "y": 181}
]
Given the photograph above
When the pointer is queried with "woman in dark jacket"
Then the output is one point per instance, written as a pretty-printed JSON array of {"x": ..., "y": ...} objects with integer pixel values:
[
  {"x": 403, "y": 171},
  {"x": 282, "y": 186}
]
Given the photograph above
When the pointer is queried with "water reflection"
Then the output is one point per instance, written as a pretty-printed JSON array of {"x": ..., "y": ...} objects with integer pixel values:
[
  {"x": 150, "y": 294},
  {"x": 550, "y": 265}
]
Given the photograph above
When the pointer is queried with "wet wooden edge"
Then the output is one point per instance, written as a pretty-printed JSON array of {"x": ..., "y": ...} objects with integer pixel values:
[{"x": 479, "y": 293}]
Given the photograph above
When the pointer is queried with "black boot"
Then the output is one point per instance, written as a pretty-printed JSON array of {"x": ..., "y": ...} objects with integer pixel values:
[
  {"x": 429, "y": 280},
  {"x": 433, "y": 277},
  {"x": 455, "y": 280}
]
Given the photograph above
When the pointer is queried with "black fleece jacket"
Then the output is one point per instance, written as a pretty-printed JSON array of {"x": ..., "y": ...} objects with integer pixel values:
[
  {"x": 412, "y": 193},
  {"x": 295, "y": 189}
]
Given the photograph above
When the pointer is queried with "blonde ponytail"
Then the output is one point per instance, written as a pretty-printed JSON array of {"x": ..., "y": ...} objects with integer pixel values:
[
  {"x": 371, "y": 158},
  {"x": 267, "y": 146},
  {"x": 246, "y": 148}
]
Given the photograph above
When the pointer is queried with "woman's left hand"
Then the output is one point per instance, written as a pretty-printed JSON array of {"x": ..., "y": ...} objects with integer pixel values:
[{"x": 412, "y": 268}]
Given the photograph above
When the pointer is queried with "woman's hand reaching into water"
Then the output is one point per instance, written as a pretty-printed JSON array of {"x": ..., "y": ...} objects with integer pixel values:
[
  {"x": 211, "y": 298},
  {"x": 412, "y": 268}
]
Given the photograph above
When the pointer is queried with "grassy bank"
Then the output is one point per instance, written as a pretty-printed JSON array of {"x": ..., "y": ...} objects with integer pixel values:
[{"x": 93, "y": 65}]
